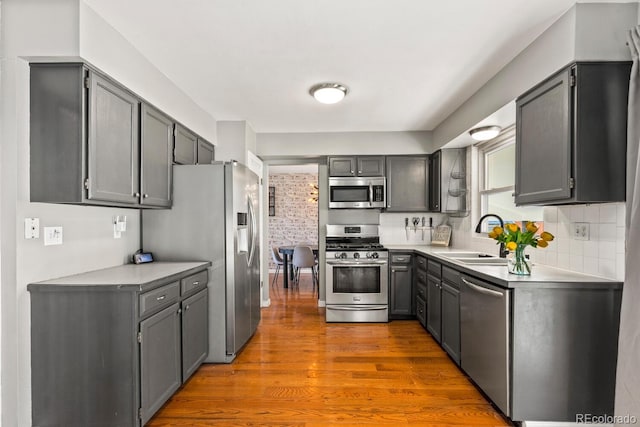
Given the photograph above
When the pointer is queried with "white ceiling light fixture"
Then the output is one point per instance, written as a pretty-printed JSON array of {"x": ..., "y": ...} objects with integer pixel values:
[
  {"x": 485, "y": 133},
  {"x": 328, "y": 93}
]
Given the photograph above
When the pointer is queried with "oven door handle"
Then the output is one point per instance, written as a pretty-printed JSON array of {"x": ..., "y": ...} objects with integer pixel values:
[
  {"x": 358, "y": 264},
  {"x": 356, "y": 307}
]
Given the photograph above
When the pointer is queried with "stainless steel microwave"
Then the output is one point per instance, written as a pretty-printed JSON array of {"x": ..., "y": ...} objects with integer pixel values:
[{"x": 357, "y": 192}]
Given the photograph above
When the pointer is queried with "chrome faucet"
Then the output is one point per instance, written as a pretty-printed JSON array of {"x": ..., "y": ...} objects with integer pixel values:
[{"x": 503, "y": 252}]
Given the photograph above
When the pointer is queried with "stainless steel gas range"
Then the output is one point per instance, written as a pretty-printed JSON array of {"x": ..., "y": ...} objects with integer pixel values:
[{"x": 357, "y": 268}]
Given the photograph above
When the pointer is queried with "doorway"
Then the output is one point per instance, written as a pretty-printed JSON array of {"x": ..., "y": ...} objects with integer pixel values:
[{"x": 292, "y": 214}]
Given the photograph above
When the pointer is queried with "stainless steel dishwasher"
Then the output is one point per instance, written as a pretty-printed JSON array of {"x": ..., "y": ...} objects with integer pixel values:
[{"x": 485, "y": 338}]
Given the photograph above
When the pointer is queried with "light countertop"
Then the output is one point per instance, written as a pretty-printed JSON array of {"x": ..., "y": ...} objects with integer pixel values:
[
  {"x": 541, "y": 276},
  {"x": 135, "y": 277}
]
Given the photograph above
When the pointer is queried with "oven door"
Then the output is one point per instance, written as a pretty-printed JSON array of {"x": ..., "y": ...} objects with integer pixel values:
[{"x": 357, "y": 282}]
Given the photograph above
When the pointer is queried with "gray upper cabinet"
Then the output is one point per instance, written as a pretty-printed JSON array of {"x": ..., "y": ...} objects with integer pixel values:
[
  {"x": 571, "y": 136},
  {"x": 357, "y": 166},
  {"x": 186, "y": 146},
  {"x": 206, "y": 152},
  {"x": 85, "y": 141},
  {"x": 113, "y": 149},
  {"x": 156, "y": 142},
  {"x": 407, "y": 183}
]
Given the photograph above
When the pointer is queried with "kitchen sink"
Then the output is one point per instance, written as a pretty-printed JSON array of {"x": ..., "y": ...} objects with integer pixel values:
[
  {"x": 465, "y": 255},
  {"x": 482, "y": 261}
]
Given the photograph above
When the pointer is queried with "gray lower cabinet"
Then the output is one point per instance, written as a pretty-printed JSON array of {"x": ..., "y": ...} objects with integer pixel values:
[
  {"x": 92, "y": 143},
  {"x": 160, "y": 367},
  {"x": 450, "y": 320},
  {"x": 401, "y": 297},
  {"x": 407, "y": 183},
  {"x": 420, "y": 287},
  {"x": 195, "y": 337},
  {"x": 206, "y": 152},
  {"x": 110, "y": 347},
  {"x": 185, "y": 150},
  {"x": 574, "y": 123},
  {"x": 434, "y": 314}
]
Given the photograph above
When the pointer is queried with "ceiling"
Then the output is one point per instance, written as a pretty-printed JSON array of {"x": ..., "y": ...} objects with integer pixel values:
[{"x": 408, "y": 63}]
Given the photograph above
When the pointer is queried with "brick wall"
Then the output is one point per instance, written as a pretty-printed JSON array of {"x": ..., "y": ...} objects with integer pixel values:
[{"x": 296, "y": 219}]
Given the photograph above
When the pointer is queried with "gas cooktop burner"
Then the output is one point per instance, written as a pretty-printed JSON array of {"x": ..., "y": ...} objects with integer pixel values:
[{"x": 355, "y": 246}]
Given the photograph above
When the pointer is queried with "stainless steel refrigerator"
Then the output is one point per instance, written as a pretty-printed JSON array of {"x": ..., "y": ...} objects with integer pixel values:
[{"x": 214, "y": 218}]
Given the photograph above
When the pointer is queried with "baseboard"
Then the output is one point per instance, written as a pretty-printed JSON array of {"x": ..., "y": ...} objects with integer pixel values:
[
  {"x": 322, "y": 303},
  {"x": 266, "y": 303},
  {"x": 560, "y": 424}
]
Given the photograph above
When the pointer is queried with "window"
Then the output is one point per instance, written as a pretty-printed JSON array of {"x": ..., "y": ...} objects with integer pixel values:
[{"x": 497, "y": 166}]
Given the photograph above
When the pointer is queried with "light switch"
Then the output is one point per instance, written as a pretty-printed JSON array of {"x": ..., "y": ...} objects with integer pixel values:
[
  {"x": 52, "y": 236},
  {"x": 32, "y": 228}
]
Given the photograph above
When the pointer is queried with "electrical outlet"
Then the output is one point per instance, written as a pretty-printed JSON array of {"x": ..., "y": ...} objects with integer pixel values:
[
  {"x": 580, "y": 231},
  {"x": 32, "y": 228}
]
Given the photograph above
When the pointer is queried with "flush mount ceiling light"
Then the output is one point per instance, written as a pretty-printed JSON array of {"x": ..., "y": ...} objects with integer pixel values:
[
  {"x": 328, "y": 93},
  {"x": 485, "y": 133}
]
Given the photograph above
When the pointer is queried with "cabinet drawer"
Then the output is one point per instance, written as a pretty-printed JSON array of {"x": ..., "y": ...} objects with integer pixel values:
[
  {"x": 158, "y": 298},
  {"x": 193, "y": 282},
  {"x": 421, "y": 277},
  {"x": 421, "y": 311},
  {"x": 451, "y": 276},
  {"x": 400, "y": 259},
  {"x": 421, "y": 291},
  {"x": 434, "y": 268},
  {"x": 421, "y": 262}
]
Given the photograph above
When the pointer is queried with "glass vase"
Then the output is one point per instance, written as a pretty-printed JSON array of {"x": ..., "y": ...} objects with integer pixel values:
[{"x": 517, "y": 263}]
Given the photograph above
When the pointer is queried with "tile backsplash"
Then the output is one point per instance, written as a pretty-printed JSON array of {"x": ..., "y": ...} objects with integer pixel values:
[{"x": 602, "y": 254}]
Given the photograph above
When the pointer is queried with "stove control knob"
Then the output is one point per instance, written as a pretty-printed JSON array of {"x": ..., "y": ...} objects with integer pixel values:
[
  {"x": 375, "y": 255},
  {"x": 336, "y": 255},
  {"x": 356, "y": 255},
  {"x": 368, "y": 254},
  {"x": 343, "y": 255}
]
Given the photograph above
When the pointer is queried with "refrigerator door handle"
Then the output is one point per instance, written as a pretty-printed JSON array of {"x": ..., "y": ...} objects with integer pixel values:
[{"x": 253, "y": 231}]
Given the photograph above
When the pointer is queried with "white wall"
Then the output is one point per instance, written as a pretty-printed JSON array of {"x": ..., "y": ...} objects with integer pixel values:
[
  {"x": 322, "y": 144},
  {"x": 235, "y": 139},
  {"x": 55, "y": 28}
]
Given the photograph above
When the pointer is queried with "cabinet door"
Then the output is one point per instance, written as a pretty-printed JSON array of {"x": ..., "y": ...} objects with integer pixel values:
[
  {"x": 370, "y": 165},
  {"x": 113, "y": 149},
  {"x": 195, "y": 333},
  {"x": 185, "y": 148},
  {"x": 435, "y": 162},
  {"x": 433, "y": 307},
  {"x": 407, "y": 182},
  {"x": 543, "y": 142},
  {"x": 160, "y": 368},
  {"x": 451, "y": 321},
  {"x": 401, "y": 292},
  {"x": 156, "y": 142},
  {"x": 342, "y": 166},
  {"x": 205, "y": 152}
]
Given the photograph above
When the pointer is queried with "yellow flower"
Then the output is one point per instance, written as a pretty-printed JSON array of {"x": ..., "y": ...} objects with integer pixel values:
[
  {"x": 492, "y": 234},
  {"x": 513, "y": 227},
  {"x": 532, "y": 227},
  {"x": 542, "y": 243},
  {"x": 512, "y": 245},
  {"x": 547, "y": 237},
  {"x": 498, "y": 230}
]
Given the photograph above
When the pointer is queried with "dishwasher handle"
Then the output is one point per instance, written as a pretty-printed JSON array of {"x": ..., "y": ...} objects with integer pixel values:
[{"x": 482, "y": 289}]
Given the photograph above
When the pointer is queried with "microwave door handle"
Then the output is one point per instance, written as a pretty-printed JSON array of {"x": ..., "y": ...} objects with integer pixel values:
[{"x": 370, "y": 194}]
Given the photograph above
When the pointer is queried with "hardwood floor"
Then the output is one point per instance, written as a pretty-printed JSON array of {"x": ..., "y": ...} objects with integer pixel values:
[{"x": 300, "y": 371}]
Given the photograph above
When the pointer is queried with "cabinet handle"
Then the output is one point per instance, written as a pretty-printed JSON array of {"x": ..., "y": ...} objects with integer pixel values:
[
  {"x": 146, "y": 195},
  {"x": 136, "y": 194},
  {"x": 196, "y": 283},
  {"x": 359, "y": 171},
  {"x": 186, "y": 308},
  {"x": 161, "y": 297}
]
